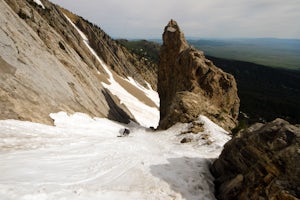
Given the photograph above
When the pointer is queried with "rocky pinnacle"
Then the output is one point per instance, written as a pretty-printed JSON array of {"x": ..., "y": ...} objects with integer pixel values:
[{"x": 190, "y": 85}]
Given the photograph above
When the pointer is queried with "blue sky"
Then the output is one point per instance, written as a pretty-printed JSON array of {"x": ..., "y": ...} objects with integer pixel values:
[{"x": 197, "y": 18}]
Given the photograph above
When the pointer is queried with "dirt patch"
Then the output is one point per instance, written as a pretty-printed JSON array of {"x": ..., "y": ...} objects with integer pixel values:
[{"x": 103, "y": 78}]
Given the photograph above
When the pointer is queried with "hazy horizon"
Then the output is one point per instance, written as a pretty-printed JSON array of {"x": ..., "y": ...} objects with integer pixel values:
[
  {"x": 215, "y": 38},
  {"x": 212, "y": 19}
]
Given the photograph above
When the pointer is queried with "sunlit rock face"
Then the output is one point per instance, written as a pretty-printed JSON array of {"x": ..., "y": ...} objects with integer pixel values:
[{"x": 190, "y": 85}]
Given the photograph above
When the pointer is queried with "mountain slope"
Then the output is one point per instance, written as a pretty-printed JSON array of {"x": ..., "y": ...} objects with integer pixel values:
[
  {"x": 47, "y": 67},
  {"x": 125, "y": 64},
  {"x": 146, "y": 50}
]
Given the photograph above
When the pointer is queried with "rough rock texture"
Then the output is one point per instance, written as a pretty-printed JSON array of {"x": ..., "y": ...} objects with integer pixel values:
[
  {"x": 262, "y": 162},
  {"x": 45, "y": 66},
  {"x": 190, "y": 85}
]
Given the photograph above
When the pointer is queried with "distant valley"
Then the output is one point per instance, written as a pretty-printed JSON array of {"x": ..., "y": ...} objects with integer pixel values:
[
  {"x": 265, "y": 92},
  {"x": 283, "y": 53}
]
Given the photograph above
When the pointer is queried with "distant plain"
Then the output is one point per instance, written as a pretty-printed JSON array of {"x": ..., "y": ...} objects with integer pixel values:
[{"x": 283, "y": 53}]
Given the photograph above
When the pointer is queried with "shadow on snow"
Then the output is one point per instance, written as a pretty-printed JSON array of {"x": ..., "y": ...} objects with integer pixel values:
[{"x": 190, "y": 177}]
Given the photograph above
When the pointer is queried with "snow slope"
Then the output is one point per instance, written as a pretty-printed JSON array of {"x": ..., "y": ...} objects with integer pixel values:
[
  {"x": 139, "y": 110},
  {"x": 82, "y": 158}
]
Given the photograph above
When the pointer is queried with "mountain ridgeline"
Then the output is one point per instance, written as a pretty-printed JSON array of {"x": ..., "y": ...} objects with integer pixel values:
[{"x": 265, "y": 92}]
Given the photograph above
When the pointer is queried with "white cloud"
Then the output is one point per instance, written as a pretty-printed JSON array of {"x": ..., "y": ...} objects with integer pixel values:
[{"x": 206, "y": 18}]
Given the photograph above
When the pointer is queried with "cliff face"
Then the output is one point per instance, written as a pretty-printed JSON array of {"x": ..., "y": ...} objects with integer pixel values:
[
  {"x": 46, "y": 66},
  {"x": 190, "y": 85},
  {"x": 261, "y": 163}
]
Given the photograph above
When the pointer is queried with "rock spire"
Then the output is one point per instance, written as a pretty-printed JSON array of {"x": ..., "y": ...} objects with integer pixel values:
[{"x": 190, "y": 85}]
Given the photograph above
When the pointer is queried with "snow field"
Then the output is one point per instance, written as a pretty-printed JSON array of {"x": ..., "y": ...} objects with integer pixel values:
[{"x": 82, "y": 158}]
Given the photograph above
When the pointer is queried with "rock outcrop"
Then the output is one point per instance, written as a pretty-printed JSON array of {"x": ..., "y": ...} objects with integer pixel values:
[
  {"x": 190, "y": 85},
  {"x": 260, "y": 163}
]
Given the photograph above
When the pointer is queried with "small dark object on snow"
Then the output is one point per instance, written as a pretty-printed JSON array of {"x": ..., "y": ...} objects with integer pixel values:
[{"x": 126, "y": 132}]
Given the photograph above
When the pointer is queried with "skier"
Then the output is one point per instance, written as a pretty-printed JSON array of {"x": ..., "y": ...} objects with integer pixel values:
[{"x": 126, "y": 132}]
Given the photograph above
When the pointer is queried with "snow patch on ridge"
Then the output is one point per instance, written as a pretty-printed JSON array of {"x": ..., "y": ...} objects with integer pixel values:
[
  {"x": 171, "y": 29},
  {"x": 39, "y": 3}
]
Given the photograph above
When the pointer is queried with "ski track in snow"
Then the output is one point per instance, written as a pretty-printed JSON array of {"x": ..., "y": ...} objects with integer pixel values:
[{"x": 82, "y": 158}]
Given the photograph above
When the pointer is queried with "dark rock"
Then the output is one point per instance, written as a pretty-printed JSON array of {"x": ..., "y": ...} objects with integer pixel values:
[
  {"x": 190, "y": 85},
  {"x": 152, "y": 128},
  {"x": 196, "y": 127},
  {"x": 186, "y": 140},
  {"x": 260, "y": 163}
]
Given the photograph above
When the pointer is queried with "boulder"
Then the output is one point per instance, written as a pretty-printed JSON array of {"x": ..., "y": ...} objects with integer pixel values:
[
  {"x": 190, "y": 85},
  {"x": 260, "y": 163}
]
